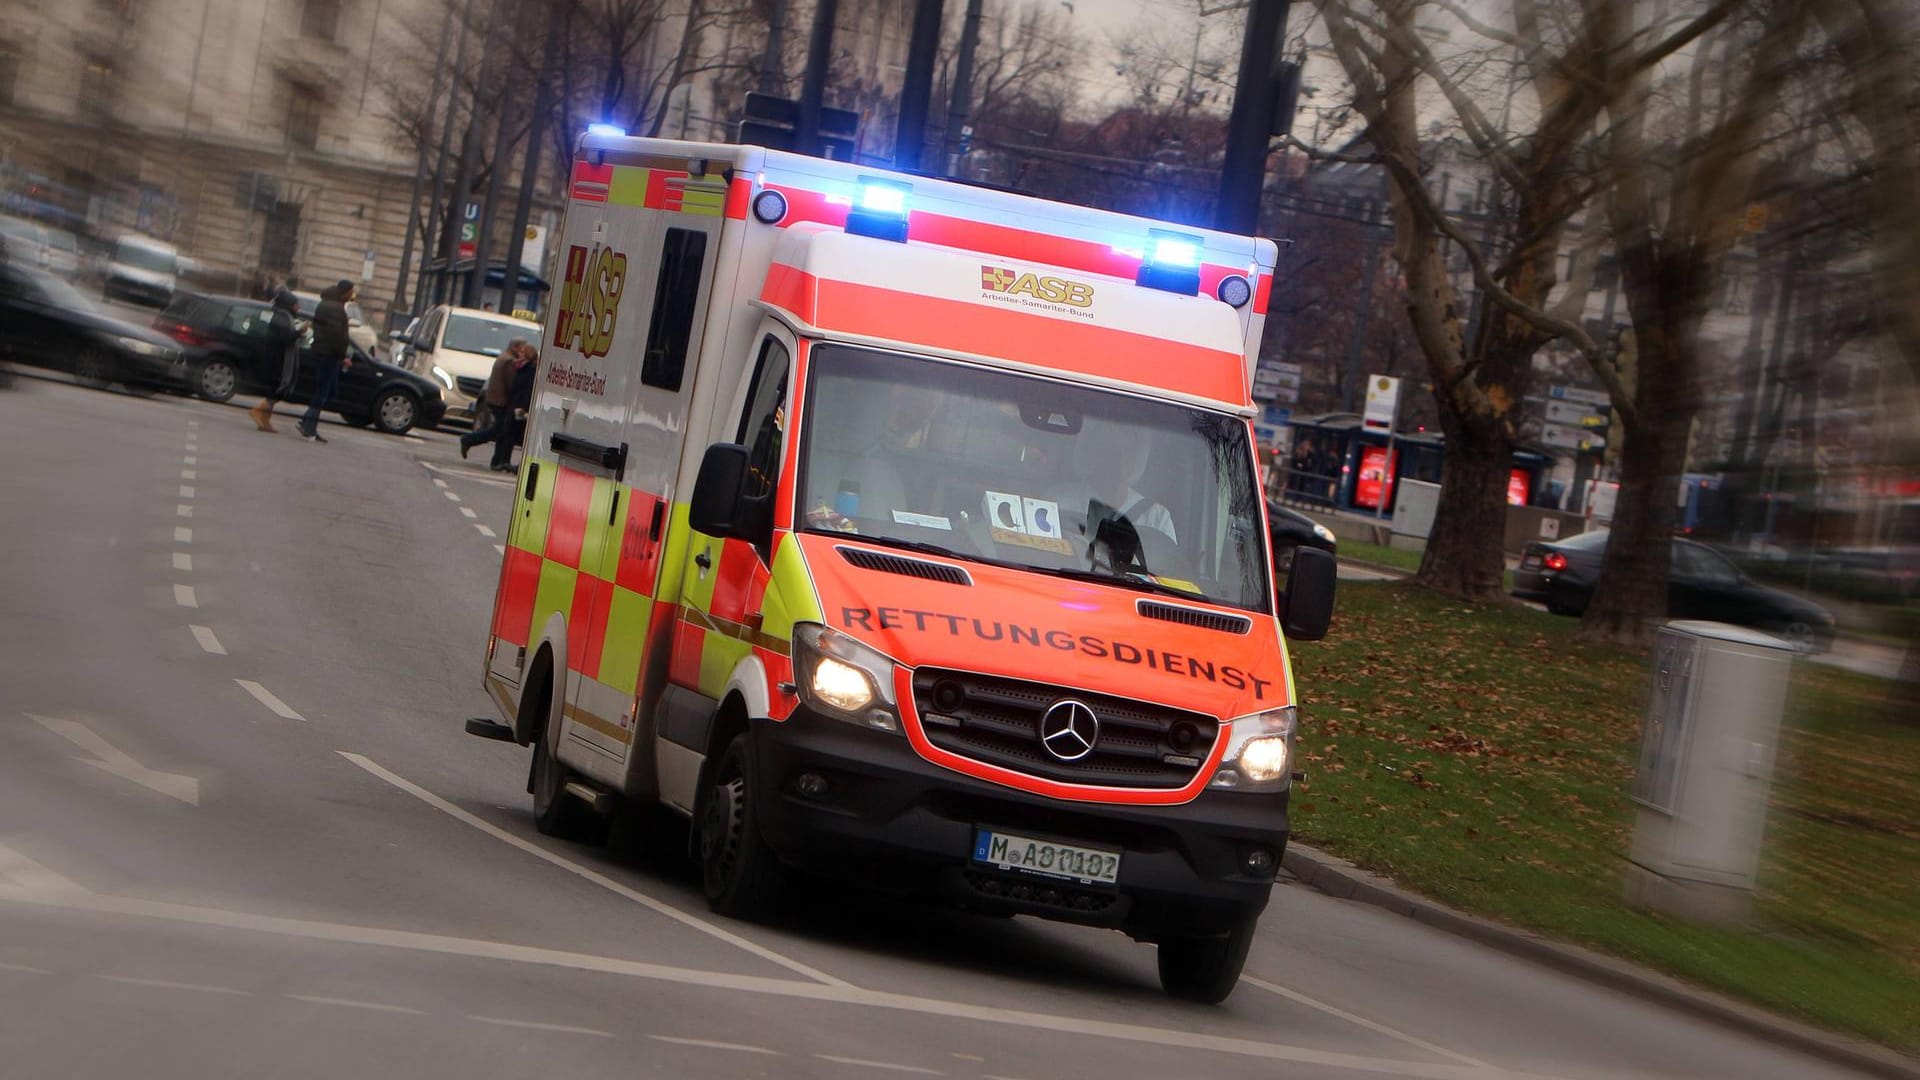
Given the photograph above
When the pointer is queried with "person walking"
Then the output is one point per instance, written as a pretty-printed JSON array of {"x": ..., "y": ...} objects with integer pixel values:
[
  {"x": 513, "y": 427},
  {"x": 493, "y": 400},
  {"x": 281, "y": 362},
  {"x": 329, "y": 352}
]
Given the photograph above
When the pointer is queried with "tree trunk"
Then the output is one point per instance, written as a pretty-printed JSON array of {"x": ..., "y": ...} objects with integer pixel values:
[{"x": 1463, "y": 556}]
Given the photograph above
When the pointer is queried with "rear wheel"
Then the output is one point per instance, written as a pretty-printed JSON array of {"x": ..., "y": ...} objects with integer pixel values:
[
  {"x": 742, "y": 876},
  {"x": 396, "y": 411},
  {"x": 1204, "y": 969},
  {"x": 217, "y": 379}
]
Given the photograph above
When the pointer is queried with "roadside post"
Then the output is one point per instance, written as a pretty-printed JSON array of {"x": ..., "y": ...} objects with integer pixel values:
[
  {"x": 1382, "y": 414},
  {"x": 1706, "y": 766}
]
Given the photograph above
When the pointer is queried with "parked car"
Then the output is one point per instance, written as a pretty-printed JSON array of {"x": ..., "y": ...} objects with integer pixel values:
[
  {"x": 358, "y": 331},
  {"x": 53, "y": 250},
  {"x": 229, "y": 351},
  {"x": 458, "y": 346},
  {"x": 48, "y": 323},
  {"x": 142, "y": 269},
  {"x": 1291, "y": 530},
  {"x": 1701, "y": 584}
]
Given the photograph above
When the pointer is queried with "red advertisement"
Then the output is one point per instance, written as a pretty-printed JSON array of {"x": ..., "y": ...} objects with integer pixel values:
[
  {"x": 1518, "y": 483},
  {"x": 1376, "y": 477}
]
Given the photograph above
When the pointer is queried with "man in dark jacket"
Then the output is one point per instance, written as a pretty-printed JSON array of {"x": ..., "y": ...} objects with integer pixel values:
[
  {"x": 493, "y": 410},
  {"x": 329, "y": 352},
  {"x": 513, "y": 426}
]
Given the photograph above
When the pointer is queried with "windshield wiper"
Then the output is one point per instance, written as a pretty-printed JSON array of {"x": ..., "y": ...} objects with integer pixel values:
[{"x": 1138, "y": 581}]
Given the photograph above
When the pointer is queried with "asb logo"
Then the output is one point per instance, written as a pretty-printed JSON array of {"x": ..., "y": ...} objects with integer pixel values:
[
  {"x": 590, "y": 300},
  {"x": 1005, "y": 280}
]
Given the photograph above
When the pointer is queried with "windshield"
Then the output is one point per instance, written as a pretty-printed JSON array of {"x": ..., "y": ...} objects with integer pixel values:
[
  {"x": 471, "y": 335},
  {"x": 142, "y": 257},
  {"x": 62, "y": 295},
  {"x": 1027, "y": 472}
]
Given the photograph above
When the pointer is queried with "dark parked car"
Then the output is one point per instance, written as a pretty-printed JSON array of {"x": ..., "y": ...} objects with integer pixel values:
[
  {"x": 1701, "y": 584},
  {"x": 1290, "y": 530},
  {"x": 229, "y": 352},
  {"x": 48, "y": 323}
]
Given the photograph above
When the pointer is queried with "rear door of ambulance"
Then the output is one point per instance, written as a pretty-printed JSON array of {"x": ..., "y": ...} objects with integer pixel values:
[{"x": 595, "y": 501}]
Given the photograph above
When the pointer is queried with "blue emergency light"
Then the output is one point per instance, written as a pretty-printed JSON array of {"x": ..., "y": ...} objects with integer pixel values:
[
  {"x": 880, "y": 209},
  {"x": 614, "y": 130},
  {"x": 1172, "y": 262}
]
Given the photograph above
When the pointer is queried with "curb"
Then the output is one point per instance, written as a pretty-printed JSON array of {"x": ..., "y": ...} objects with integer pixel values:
[{"x": 1344, "y": 881}]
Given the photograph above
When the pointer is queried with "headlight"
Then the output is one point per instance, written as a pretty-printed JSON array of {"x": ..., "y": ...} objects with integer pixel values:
[
  {"x": 141, "y": 348},
  {"x": 443, "y": 375},
  {"x": 839, "y": 677},
  {"x": 1324, "y": 533},
  {"x": 1259, "y": 752}
]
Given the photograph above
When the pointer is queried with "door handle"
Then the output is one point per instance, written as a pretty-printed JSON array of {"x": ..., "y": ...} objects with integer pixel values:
[{"x": 704, "y": 561}]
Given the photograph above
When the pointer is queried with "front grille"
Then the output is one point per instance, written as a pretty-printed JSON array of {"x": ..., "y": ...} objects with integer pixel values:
[
  {"x": 470, "y": 386},
  {"x": 997, "y": 721},
  {"x": 899, "y": 564},
  {"x": 1055, "y": 894}
]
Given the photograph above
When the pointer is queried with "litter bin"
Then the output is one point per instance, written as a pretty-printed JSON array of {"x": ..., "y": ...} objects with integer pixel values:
[{"x": 1706, "y": 767}]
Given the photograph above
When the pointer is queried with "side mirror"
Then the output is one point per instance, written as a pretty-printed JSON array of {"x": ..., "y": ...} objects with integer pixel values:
[
  {"x": 715, "y": 508},
  {"x": 1306, "y": 608}
]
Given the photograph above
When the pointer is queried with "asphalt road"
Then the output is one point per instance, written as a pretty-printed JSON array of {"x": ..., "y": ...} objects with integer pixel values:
[{"x": 243, "y": 834}]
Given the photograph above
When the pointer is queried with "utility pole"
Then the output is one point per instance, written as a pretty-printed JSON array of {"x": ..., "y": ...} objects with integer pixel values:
[
  {"x": 496, "y": 181},
  {"x": 1256, "y": 97},
  {"x": 960, "y": 100},
  {"x": 530, "y": 171},
  {"x": 435, "y": 222},
  {"x": 813, "y": 86},
  {"x": 463, "y": 176},
  {"x": 399, "y": 304},
  {"x": 910, "y": 137}
]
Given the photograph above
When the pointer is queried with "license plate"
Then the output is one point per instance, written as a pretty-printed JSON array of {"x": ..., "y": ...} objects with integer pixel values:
[
  {"x": 1046, "y": 857},
  {"x": 1530, "y": 562}
]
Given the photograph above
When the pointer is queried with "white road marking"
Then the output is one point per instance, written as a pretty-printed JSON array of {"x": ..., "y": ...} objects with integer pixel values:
[
  {"x": 186, "y": 492},
  {"x": 349, "y": 1003},
  {"x": 193, "y": 423},
  {"x": 486, "y": 532},
  {"x": 28, "y": 879},
  {"x": 108, "y": 759},
  {"x": 476, "y": 948},
  {"x": 191, "y": 460},
  {"x": 183, "y": 595},
  {"x": 182, "y": 534},
  {"x": 168, "y": 984},
  {"x": 709, "y": 1044},
  {"x": 466, "y": 474},
  {"x": 879, "y": 1065},
  {"x": 24, "y": 969},
  {"x": 437, "y": 482},
  {"x": 207, "y": 641},
  {"x": 189, "y": 474},
  {"x": 451, "y": 496},
  {"x": 594, "y": 876},
  {"x": 265, "y": 697},
  {"x": 1370, "y": 1025},
  {"x": 533, "y": 1025},
  {"x": 467, "y": 512},
  {"x": 182, "y": 561},
  {"x": 501, "y": 548},
  {"x": 968, "y": 1057},
  {"x": 183, "y": 510}
]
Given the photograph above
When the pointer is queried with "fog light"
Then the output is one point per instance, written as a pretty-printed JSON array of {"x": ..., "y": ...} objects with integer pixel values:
[
  {"x": 1260, "y": 862},
  {"x": 812, "y": 785}
]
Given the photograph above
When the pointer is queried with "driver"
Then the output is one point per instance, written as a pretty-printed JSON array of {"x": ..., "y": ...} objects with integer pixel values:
[{"x": 1110, "y": 457}]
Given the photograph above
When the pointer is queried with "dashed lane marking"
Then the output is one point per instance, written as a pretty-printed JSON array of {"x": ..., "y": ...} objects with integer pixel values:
[
  {"x": 169, "y": 984},
  {"x": 968, "y": 1057},
  {"x": 183, "y": 510},
  {"x": 189, "y": 474},
  {"x": 193, "y": 423},
  {"x": 500, "y": 548},
  {"x": 350, "y": 1003},
  {"x": 1370, "y": 1025},
  {"x": 710, "y": 1044},
  {"x": 183, "y": 595},
  {"x": 24, "y": 969},
  {"x": 186, "y": 492},
  {"x": 182, "y": 534},
  {"x": 484, "y": 531},
  {"x": 591, "y": 875},
  {"x": 182, "y": 561},
  {"x": 265, "y": 697},
  {"x": 191, "y": 460},
  {"x": 207, "y": 641},
  {"x": 887, "y": 1065},
  {"x": 535, "y": 1025},
  {"x": 439, "y": 483},
  {"x": 467, "y": 512}
]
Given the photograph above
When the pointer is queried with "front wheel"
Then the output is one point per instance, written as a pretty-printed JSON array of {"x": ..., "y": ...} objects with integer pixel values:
[
  {"x": 395, "y": 412},
  {"x": 93, "y": 369},
  {"x": 1204, "y": 969},
  {"x": 742, "y": 876},
  {"x": 217, "y": 379}
]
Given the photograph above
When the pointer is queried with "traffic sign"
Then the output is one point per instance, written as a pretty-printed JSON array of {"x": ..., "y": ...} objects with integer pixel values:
[
  {"x": 1568, "y": 437},
  {"x": 1577, "y": 394},
  {"x": 1383, "y": 404},
  {"x": 1576, "y": 414}
]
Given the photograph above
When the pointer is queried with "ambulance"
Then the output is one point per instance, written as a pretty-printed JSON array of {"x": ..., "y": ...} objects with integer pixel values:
[{"x": 902, "y": 534}]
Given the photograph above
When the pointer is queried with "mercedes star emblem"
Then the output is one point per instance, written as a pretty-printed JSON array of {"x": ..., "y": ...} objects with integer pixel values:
[{"x": 1068, "y": 730}]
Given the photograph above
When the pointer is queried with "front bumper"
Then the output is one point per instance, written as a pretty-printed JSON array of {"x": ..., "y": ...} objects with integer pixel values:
[{"x": 894, "y": 821}]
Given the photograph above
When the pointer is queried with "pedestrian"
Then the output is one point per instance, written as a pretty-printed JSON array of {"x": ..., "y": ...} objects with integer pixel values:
[
  {"x": 329, "y": 353},
  {"x": 281, "y": 364},
  {"x": 513, "y": 426},
  {"x": 493, "y": 400}
]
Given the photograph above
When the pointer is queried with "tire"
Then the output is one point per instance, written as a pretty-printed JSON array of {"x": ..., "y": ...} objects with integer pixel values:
[
  {"x": 1204, "y": 969},
  {"x": 93, "y": 369},
  {"x": 556, "y": 813},
  {"x": 216, "y": 379},
  {"x": 396, "y": 411},
  {"x": 1805, "y": 638},
  {"x": 741, "y": 875}
]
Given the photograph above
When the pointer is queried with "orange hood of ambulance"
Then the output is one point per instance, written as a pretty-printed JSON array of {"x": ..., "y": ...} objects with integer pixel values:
[{"x": 1027, "y": 625}]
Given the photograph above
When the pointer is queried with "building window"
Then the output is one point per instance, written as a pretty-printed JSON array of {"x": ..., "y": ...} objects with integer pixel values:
[
  {"x": 320, "y": 19},
  {"x": 303, "y": 117},
  {"x": 96, "y": 86},
  {"x": 9, "y": 73}
]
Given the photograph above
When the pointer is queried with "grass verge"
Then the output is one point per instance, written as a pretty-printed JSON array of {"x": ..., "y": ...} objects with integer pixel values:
[{"x": 1483, "y": 756}]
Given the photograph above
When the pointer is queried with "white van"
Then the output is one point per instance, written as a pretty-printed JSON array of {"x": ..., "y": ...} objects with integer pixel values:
[
  {"x": 458, "y": 346},
  {"x": 142, "y": 269}
]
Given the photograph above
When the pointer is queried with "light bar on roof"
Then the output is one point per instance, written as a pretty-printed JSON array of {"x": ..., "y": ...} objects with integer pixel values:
[
  {"x": 607, "y": 129},
  {"x": 1172, "y": 262},
  {"x": 880, "y": 209}
]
